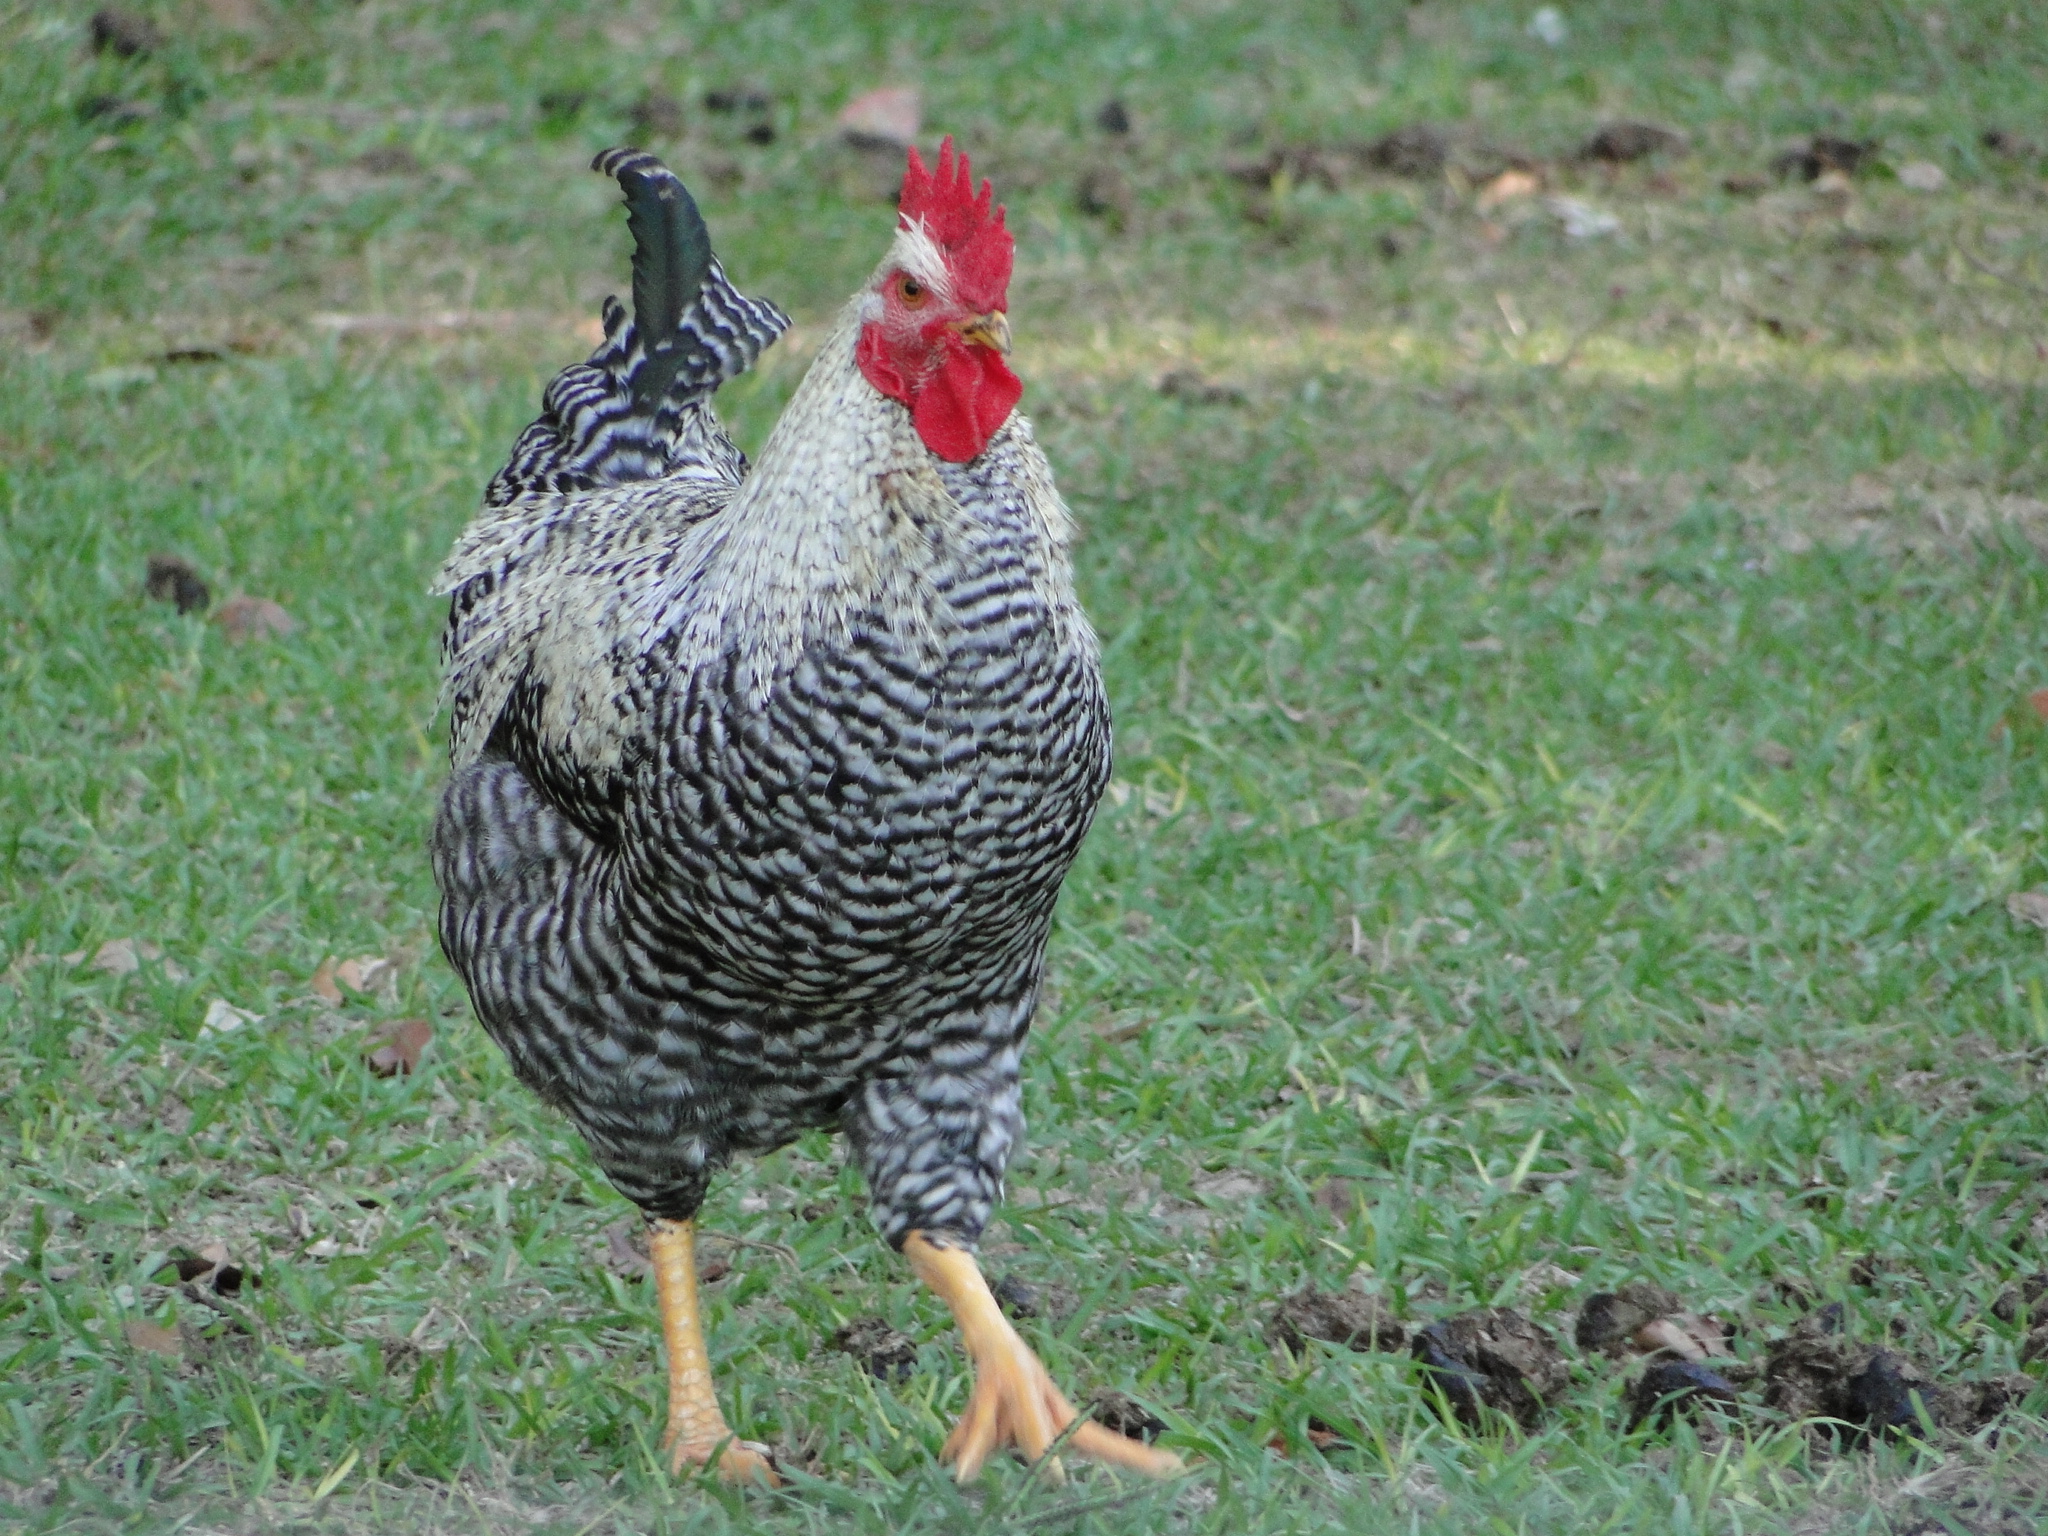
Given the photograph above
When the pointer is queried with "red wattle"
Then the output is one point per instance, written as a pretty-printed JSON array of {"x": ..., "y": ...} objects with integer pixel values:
[{"x": 962, "y": 405}]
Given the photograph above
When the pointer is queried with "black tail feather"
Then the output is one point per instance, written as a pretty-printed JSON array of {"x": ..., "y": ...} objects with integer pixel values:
[
  {"x": 639, "y": 408},
  {"x": 671, "y": 259}
]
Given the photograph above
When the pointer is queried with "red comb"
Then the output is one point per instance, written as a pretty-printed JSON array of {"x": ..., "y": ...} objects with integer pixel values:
[{"x": 965, "y": 225}]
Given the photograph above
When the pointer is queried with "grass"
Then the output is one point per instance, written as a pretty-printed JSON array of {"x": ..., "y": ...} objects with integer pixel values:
[{"x": 1574, "y": 751}]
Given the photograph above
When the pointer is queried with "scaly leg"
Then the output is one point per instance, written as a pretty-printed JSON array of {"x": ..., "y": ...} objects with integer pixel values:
[
  {"x": 1014, "y": 1401},
  {"x": 697, "y": 1431}
]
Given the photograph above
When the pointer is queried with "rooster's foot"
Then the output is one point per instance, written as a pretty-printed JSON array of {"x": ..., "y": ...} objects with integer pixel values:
[{"x": 1014, "y": 1402}]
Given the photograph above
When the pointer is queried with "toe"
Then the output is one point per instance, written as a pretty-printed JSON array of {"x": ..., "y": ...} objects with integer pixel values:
[{"x": 1106, "y": 1445}]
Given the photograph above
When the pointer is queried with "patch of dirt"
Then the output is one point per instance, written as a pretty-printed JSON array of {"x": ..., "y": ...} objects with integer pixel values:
[
  {"x": 1671, "y": 1387},
  {"x": 1620, "y": 143},
  {"x": 1493, "y": 1358},
  {"x": 1124, "y": 1414},
  {"x": 1824, "y": 152},
  {"x": 880, "y": 1349},
  {"x": 1815, "y": 1372},
  {"x": 174, "y": 579},
  {"x": 1419, "y": 151},
  {"x": 1350, "y": 1318},
  {"x": 1609, "y": 1319}
]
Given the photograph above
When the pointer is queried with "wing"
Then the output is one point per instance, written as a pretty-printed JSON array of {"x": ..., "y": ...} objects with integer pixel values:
[
  {"x": 640, "y": 408},
  {"x": 562, "y": 581}
]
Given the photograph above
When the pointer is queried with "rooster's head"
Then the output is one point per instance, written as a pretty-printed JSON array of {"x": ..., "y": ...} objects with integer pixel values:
[{"x": 933, "y": 331}]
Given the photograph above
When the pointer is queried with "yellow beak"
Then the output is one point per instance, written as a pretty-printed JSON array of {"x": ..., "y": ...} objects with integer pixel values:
[{"x": 991, "y": 330}]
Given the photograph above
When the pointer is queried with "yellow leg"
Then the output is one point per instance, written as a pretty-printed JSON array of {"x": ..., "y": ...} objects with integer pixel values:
[
  {"x": 1014, "y": 1401},
  {"x": 697, "y": 1431}
]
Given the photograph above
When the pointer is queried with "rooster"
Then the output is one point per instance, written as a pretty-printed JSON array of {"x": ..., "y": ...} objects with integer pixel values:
[{"x": 765, "y": 781}]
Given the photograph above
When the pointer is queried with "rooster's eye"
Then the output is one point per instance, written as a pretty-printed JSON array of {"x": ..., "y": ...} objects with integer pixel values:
[{"x": 910, "y": 291}]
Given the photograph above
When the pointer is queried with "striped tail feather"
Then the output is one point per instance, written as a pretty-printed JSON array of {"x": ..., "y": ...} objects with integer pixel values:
[{"x": 641, "y": 409}]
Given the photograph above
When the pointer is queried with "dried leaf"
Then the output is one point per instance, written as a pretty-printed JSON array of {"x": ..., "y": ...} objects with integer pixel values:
[
  {"x": 2038, "y": 702},
  {"x": 368, "y": 974},
  {"x": 326, "y": 1248},
  {"x": 1506, "y": 187},
  {"x": 254, "y": 618},
  {"x": 885, "y": 119},
  {"x": 155, "y": 1339},
  {"x": 1922, "y": 176},
  {"x": 2029, "y": 907},
  {"x": 1664, "y": 1333},
  {"x": 223, "y": 1017},
  {"x": 624, "y": 1250},
  {"x": 301, "y": 1224},
  {"x": 322, "y": 985},
  {"x": 396, "y": 1048}
]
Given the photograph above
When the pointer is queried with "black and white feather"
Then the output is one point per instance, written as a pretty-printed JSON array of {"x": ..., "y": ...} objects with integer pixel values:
[
  {"x": 640, "y": 408},
  {"x": 763, "y": 793}
]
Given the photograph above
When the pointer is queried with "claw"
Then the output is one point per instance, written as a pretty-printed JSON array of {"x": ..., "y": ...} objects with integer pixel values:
[
  {"x": 739, "y": 1461},
  {"x": 1014, "y": 1402}
]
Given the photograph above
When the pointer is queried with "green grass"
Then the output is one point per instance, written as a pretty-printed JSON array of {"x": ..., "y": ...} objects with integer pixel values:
[{"x": 1573, "y": 753}]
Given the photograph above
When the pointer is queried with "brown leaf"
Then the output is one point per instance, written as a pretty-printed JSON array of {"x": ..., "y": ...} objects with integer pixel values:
[
  {"x": 322, "y": 985},
  {"x": 396, "y": 1048},
  {"x": 254, "y": 618},
  {"x": 2038, "y": 702},
  {"x": 1664, "y": 1333},
  {"x": 155, "y": 1339},
  {"x": 2029, "y": 907},
  {"x": 1506, "y": 187},
  {"x": 888, "y": 118},
  {"x": 368, "y": 974},
  {"x": 625, "y": 1252}
]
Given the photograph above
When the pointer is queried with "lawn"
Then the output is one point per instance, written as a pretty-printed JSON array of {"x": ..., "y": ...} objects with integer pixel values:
[{"x": 1574, "y": 631}]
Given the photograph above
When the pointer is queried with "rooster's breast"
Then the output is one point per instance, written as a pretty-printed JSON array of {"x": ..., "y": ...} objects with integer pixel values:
[{"x": 891, "y": 826}]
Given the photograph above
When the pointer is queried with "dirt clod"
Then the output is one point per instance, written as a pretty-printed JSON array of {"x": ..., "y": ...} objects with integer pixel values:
[
  {"x": 1124, "y": 1414},
  {"x": 1103, "y": 193},
  {"x": 880, "y": 1349},
  {"x": 657, "y": 115},
  {"x": 123, "y": 33},
  {"x": 1671, "y": 1387},
  {"x": 1620, "y": 143},
  {"x": 1492, "y": 1358},
  {"x": 1609, "y": 1320},
  {"x": 1420, "y": 150},
  {"x": 1822, "y": 153},
  {"x": 1350, "y": 1318},
  {"x": 2025, "y": 1297},
  {"x": 174, "y": 579},
  {"x": 1017, "y": 1296},
  {"x": 1186, "y": 384}
]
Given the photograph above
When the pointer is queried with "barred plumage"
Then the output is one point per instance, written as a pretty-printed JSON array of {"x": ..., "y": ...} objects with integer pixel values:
[
  {"x": 641, "y": 409},
  {"x": 765, "y": 785},
  {"x": 764, "y": 792}
]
